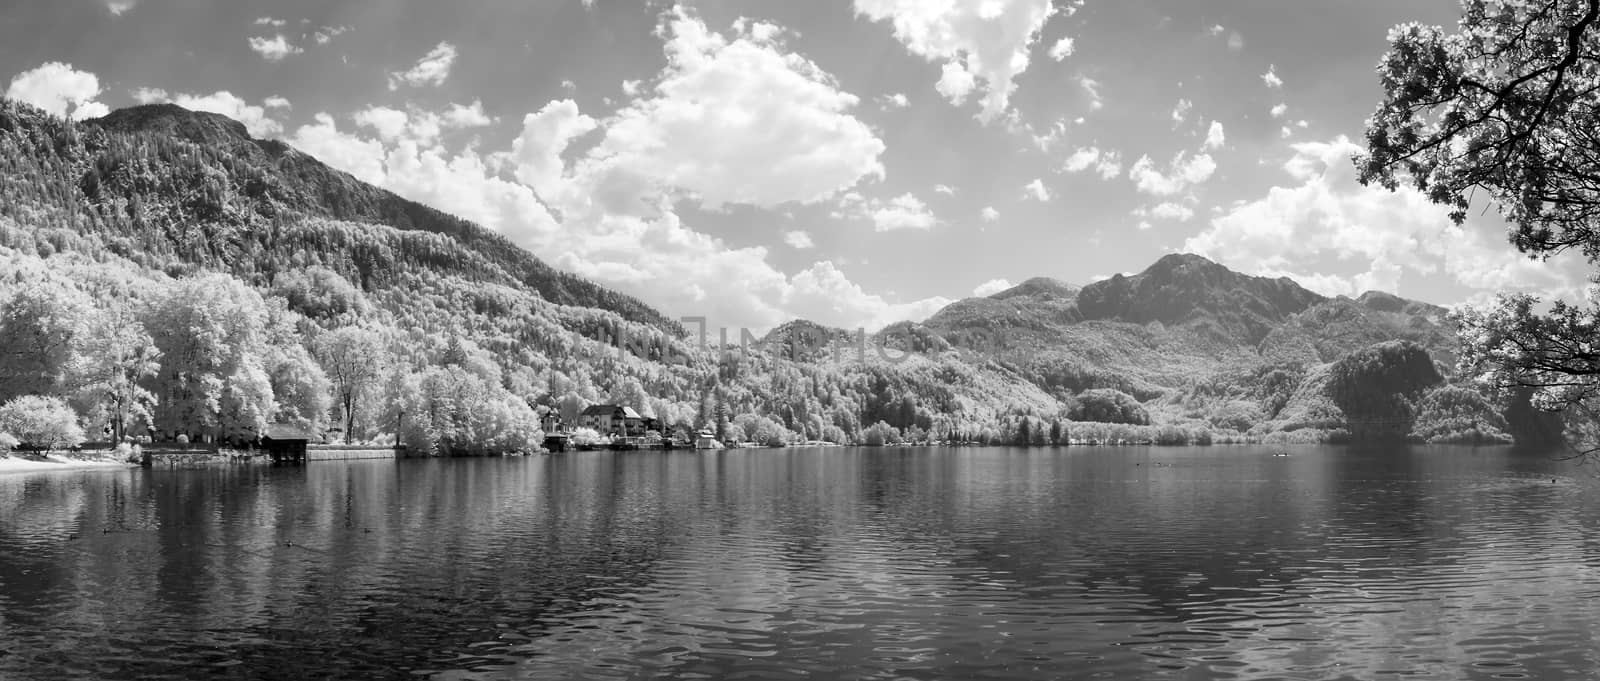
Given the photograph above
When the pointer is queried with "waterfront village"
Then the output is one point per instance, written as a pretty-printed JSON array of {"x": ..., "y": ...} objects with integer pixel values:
[{"x": 611, "y": 426}]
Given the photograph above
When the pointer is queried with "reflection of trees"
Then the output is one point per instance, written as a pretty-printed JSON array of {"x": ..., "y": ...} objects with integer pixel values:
[
  {"x": 679, "y": 563},
  {"x": 480, "y": 556},
  {"x": 1380, "y": 505},
  {"x": 39, "y": 515},
  {"x": 332, "y": 569},
  {"x": 1089, "y": 520}
]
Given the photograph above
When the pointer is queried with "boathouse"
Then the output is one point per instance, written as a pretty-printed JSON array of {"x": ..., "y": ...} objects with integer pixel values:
[{"x": 286, "y": 442}]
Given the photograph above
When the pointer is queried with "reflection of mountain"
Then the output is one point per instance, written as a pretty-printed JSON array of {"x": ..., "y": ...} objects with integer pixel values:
[
  {"x": 842, "y": 562},
  {"x": 1381, "y": 506},
  {"x": 1149, "y": 542}
]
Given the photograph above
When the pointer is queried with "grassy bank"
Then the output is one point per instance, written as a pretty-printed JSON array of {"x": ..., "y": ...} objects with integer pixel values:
[{"x": 57, "y": 462}]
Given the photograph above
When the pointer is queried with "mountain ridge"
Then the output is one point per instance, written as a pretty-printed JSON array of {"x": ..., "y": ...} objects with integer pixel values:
[
  {"x": 305, "y": 185},
  {"x": 1194, "y": 348},
  {"x": 1107, "y": 298}
]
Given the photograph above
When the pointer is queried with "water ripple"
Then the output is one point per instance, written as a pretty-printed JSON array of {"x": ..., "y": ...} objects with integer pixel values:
[{"x": 1430, "y": 563}]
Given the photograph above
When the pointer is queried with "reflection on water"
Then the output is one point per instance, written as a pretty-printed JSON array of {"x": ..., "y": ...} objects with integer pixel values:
[{"x": 1211, "y": 563}]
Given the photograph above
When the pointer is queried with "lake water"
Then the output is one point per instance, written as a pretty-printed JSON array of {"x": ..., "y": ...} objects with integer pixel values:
[{"x": 1117, "y": 563}]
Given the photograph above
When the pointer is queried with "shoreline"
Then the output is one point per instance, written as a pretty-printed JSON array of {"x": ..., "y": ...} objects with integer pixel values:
[{"x": 15, "y": 466}]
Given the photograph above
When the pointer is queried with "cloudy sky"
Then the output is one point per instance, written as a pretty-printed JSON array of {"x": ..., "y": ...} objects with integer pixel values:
[{"x": 854, "y": 162}]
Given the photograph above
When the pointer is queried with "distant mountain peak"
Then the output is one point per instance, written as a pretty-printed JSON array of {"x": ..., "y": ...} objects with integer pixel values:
[
  {"x": 170, "y": 119},
  {"x": 1184, "y": 287},
  {"x": 803, "y": 330},
  {"x": 1040, "y": 287},
  {"x": 1174, "y": 260},
  {"x": 261, "y": 198}
]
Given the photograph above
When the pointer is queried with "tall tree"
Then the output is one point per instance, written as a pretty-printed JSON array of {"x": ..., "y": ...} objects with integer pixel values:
[
  {"x": 301, "y": 390},
  {"x": 41, "y": 331},
  {"x": 355, "y": 360},
  {"x": 1507, "y": 109},
  {"x": 40, "y": 423},
  {"x": 210, "y": 330},
  {"x": 1377, "y": 388},
  {"x": 118, "y": 357},
  {"x": 630, "y": 393}
]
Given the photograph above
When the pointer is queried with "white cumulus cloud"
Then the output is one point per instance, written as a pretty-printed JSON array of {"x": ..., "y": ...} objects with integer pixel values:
[
  {"x": 1180, "y": 112},
  {"x": 1036, "y": 190},
  {"x": 1215, "y": 137},
  {"x": 715, "y": 128},
  {"x": 897, "y": 100},
  {"x": 984, "y": 44},
  {"x": 1182, "y": 173},
  {"x": 420, "y": 125},
  {"x": 545, "y": 136},
  {"x": 433, "y": 69},
  {"x": 148, "y": 95},
  {"x": 59, "y": 89},
  {"x": 887, "y": 215},
  {"x": 1271, "y": 77},
  {"x": 327, "y": 33},
  {"x": 1324, "y": 217},
  {"x": 1107, "y": 163},
  {"x": 255, "y": 118},
  {"x": 1166, "y": 210},
  {"x": 824, "y": 294},
  {"x": 991, "y": 287},
  {"x": 1091, "y": 89},
  {"x": 467, "y": 115},
  {"x": 1062, "y": 49},
  {"x": 275, "y": 48}
]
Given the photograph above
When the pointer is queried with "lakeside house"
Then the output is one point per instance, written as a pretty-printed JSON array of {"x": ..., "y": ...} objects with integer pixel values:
[
  {"x": 612, "y": 419},
  {"x": 706, "y": 439},
  {"x": 550, "y": 419},
  {"x": 286, "y": 442}
]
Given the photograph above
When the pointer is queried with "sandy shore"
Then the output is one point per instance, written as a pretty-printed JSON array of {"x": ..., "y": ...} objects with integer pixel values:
[{"x": 56, "y": 462}]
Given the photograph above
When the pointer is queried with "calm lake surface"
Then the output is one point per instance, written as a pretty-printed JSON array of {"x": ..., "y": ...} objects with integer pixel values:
[{"x": 1117, "y": 563}]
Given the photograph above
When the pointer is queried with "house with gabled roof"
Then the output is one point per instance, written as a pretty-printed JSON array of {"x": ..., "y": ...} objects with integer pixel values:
[
  {"x": 612, "y": 419},
  {"x": 286, "y": 442}
]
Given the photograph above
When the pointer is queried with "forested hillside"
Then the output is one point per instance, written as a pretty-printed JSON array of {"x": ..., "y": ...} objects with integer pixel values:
[
  {"x": 114, "y": 227},
  {"x": 161, "y": 272},
  {"x": 163, "y": 185}
]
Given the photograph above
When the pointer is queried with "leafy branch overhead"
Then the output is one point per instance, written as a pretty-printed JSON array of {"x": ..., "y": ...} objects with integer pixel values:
[{"x": 1509, "y": 105}]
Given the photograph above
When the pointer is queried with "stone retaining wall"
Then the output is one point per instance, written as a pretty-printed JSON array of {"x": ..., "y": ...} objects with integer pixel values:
[{"x": 347, "y": 453}]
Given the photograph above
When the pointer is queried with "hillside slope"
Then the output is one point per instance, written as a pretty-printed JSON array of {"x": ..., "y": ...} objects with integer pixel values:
[
  {"x": 160, "y": 182},
  {"x": 123, "y": 214},
  {"x": 1200, "y": 344}
]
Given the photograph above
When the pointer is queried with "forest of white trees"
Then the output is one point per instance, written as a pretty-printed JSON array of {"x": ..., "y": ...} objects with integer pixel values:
[
  {"x": 201, "y": 286},
  {"x": 125, "y": 356}
]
